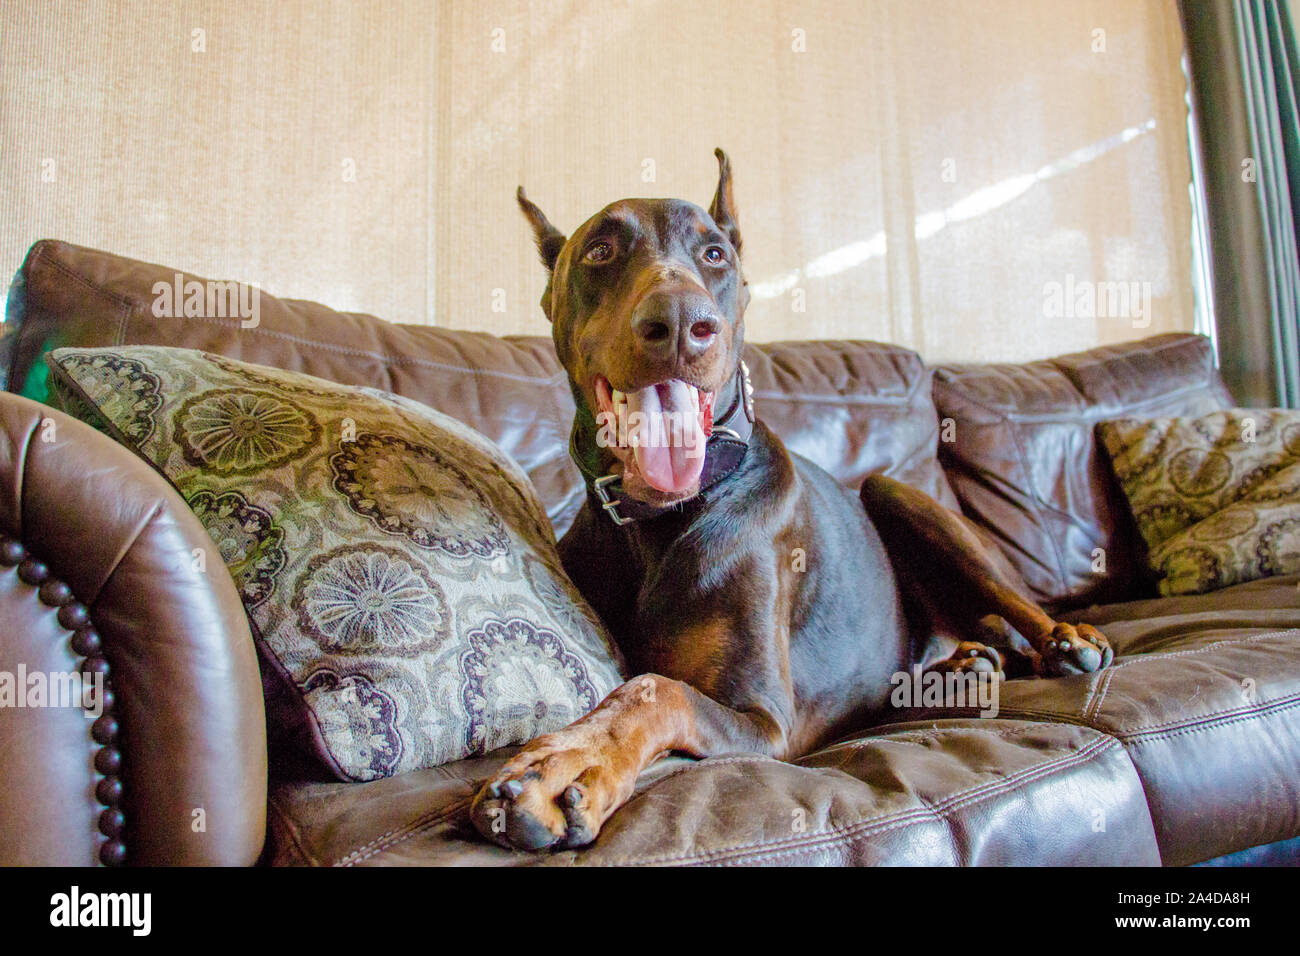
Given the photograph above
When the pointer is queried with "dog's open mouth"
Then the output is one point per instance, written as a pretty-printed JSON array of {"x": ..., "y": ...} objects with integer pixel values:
[{"x": 658, "y": 432}]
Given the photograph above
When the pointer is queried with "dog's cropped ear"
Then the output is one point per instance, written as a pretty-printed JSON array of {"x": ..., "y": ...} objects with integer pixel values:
[
  {"x": 723, "y": 209},
  {"x": 549, "y": 239}
]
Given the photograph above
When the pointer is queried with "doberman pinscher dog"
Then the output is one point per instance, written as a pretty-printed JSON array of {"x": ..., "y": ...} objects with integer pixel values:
[{"x": 764, "y": 606}]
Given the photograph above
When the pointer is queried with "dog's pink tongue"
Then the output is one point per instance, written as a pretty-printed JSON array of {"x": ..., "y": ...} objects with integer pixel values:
[{"x": 670, "y": 447}]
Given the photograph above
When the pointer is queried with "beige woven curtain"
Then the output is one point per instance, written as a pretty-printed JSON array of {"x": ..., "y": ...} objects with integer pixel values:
[{"x": 976, "y": 179}]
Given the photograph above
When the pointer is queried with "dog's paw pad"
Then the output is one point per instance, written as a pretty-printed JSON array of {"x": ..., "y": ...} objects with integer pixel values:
[
  {"x": 971, "y": 657},
  {"x": 1074, "y": 649},
  {"x": 543, "y": 799}
]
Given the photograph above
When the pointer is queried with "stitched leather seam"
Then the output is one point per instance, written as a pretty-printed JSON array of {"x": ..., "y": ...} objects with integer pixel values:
[
  {"x": 400, "y": 360},
  {"x": 1071, "y": 372},
  {"x": 1090, "y": 711},
  {"x": 939, "y": 815},
  {"x": 393, "y": 836},
  {"x": 887, "y": 735},
  {"x": 977, "y": 794},
  {"x": 882, "y": 824},
  {"x": 123, "y": 321},
  {"x": 942, "y": 814},
  {"x": 1102, "y": 742},
  {"x": 1206, "y": 720},
  {"x": 1139, "y": 739},
  {"x": 1133, "y": 659},
  {"x": 1180, "y": 340},
  {"x": 401, "y": 834},
  {"x": 872, "y": 827},
  {"x": 1089, "y": 415},
  {"x": 922, "y": 381},
  {"x": 131, "y": 306},
  {"x": 124, "y": 304},
  {"x": 1211, "y": 721},
  {"x": 79, "y": 278},
  {"x": 798, "y": 398}
]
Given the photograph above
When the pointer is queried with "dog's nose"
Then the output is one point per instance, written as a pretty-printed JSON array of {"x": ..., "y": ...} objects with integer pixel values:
[{"x": 668, "y": 325}]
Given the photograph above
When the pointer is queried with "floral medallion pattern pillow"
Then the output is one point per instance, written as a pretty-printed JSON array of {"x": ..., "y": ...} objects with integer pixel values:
[
  {"x": 397, "y": 567},
  {"x": 1216, "y": 498}
]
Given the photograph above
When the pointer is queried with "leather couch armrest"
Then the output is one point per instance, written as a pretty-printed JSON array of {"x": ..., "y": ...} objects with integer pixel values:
[{"x": 104, "y": 568}]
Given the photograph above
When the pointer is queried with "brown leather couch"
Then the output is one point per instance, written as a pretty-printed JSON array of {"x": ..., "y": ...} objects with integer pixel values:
[{"x": 1186, "y": 750}]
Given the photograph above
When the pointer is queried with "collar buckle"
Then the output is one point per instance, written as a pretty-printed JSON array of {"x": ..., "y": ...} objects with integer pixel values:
[{"x": 608, "y": 501}]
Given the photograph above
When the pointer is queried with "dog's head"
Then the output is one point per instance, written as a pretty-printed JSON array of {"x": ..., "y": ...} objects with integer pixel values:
[{"x": 646, "y": 302}]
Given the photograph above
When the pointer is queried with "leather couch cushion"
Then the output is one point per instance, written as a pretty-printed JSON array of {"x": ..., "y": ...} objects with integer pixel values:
[
  {"x": 1027, "y": 467},
  {"x": 852, "y": 407},
  {"x": 855, "y": 408},
  {"x": 398, "y": 568},
  {"x": 960, "y": 792},
  {"x": 1204, "y": 695}
]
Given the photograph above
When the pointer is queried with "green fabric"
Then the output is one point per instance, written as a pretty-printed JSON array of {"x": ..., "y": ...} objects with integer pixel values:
[
  {"x": 34, "y": 384},
  {"x": 1271, "y": 74},
  {"x": 37, "y": 385},
  {"x": 1242, "y": 63}
]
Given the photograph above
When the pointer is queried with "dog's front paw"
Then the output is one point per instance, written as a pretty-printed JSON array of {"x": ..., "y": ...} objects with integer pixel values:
[
  {"x": 555, "y": 793},
  {"x": 1072, "y": 649},
  {"x": 971, "y": 657}
]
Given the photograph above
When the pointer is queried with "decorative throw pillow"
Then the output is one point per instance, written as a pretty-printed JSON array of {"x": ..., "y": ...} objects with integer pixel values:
[
  {"x": 397, "y": 567},
  {"x": 1216, "y": 498}
]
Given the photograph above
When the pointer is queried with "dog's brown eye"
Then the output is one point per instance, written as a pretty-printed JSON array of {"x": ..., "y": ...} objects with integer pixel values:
[
  {"x": 599, "y": 252},
  {"x": 714, "y": 255}
]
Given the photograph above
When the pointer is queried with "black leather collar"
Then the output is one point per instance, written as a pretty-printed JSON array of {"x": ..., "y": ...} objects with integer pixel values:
[{"x": 723, "y": 453}]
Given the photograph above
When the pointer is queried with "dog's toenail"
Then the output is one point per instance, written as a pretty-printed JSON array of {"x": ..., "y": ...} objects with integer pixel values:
[
  {"x": 572, "y": 797},
  {"x": 494, "y": 789},
  {"x": 512, "y": 788},
  {"x": 1064, "y": 645}
]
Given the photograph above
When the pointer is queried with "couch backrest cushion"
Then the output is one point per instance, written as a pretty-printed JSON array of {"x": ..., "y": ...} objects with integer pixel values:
[
  {"x": 1025, "y": 463},
  {"x": 855, "y": 408},
  {"x": 852, "y": 407}
]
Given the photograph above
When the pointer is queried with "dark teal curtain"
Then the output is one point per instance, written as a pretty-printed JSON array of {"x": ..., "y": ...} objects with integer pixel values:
[
  {"x": 1266, "y": 39},
  {"x": 1245, "y": 75}
]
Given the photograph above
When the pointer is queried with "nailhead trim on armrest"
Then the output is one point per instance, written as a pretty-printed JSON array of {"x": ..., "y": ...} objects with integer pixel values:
[{"x": 73, "y": 616}]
